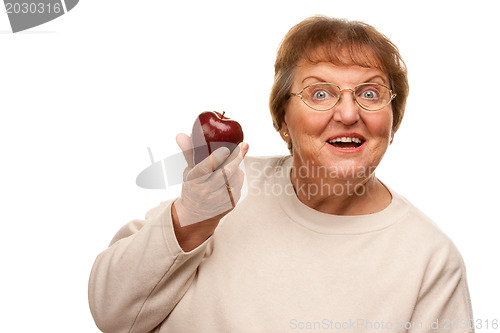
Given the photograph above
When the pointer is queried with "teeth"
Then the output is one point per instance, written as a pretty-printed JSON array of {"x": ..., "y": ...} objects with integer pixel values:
[{"x": 345, "y": 139}]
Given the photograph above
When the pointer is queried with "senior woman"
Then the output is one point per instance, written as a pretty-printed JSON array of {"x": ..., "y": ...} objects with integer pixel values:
[{"x": 319, "y": 242}]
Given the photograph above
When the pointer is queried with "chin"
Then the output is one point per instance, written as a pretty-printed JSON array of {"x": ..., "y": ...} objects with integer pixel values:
[{"x": 345, "y": 169}]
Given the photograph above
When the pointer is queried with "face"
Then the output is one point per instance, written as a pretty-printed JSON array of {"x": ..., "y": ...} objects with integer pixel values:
[{"x": 314, "y": 134}]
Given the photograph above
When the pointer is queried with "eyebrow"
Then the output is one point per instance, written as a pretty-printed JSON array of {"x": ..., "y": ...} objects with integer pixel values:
[
  {"x": 313, "y": 77},
  {"x": 366, "y": 81}
]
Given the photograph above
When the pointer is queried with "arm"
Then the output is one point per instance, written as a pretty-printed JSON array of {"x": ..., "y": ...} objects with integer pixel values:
[
  {"x": 444, "y": 303},
  {"x": 137, "y": 281},
  {"x": 191, "y": 236},
  {"x": 209, "y": 191},
  {"x": 150, "y": 264}
]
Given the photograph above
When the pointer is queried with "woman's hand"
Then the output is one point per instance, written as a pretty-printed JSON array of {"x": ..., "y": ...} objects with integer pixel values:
[{"x": 210, "y": 190}]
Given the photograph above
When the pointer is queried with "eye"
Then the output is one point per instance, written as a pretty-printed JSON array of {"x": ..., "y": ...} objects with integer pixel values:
[
  {"x": 320, "y": 95},
  {"x": 369, "y": 94}
]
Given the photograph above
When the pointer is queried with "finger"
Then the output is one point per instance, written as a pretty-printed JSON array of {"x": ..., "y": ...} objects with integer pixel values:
[
  {"x": 239, "y": 154},
  {"x": 229, "y": 191},
  {"x": 184, "y": 142},
  {"x": 233, "y": 161},
  {"x": 220, "y": 199},
  {"x": 226, "y": 171},
  {"x": 205, "y": 168}
]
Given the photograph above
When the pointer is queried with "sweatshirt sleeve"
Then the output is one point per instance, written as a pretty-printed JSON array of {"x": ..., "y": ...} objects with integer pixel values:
[
  {"x": 444, "y": 304},
  {"x": 138, "y": 280}
]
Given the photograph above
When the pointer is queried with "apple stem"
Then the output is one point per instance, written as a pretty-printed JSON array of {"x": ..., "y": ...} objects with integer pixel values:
[{"x": 223, "y": 112}]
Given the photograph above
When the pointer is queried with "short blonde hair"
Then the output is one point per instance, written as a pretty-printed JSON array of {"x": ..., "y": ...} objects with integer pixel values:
[{"x": 340, "y": 42}]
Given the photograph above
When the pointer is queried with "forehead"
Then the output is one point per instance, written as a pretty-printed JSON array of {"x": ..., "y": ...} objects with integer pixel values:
[
  {"x": 346, "y": 54},
  {"x": 351, "y": 74}
]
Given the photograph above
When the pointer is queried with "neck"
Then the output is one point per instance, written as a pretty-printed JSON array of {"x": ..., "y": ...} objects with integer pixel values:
[{"x": 353, "y": 196}]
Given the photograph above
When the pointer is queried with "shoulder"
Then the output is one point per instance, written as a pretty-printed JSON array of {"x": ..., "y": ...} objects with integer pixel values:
[
  {"x": 265, "y": 161},
  {"x": 438, "y": 265},
  {"x": 264, "y": 166},
  {"x": 420, "y": 232},
  {"x": 261, "y": 173}
]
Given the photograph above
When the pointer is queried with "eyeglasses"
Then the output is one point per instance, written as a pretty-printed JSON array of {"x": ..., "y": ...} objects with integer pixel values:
[{"x": 324, "y": 96}]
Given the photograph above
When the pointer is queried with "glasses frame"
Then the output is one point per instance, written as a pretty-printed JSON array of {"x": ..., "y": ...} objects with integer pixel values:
[{"x": 353, "y": 90}]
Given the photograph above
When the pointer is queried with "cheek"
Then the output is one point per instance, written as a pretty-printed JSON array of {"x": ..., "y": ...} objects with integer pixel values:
[
  {"x": 306, "y": 122},
  {"x": 380, "y": 125}
]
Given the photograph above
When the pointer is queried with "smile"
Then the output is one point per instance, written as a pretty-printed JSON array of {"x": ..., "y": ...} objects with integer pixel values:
[{"x": 347, "y": 143}]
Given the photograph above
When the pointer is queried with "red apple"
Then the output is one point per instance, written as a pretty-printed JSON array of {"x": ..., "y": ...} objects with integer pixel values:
[{"x": 212, "y": 130}]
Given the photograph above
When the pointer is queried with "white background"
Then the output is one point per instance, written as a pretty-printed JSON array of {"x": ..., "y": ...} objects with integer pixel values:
[{"x": 83, "y": 96}]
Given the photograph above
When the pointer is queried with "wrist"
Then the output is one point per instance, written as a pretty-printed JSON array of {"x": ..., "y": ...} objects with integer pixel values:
[{"x": 191, "y": 236}]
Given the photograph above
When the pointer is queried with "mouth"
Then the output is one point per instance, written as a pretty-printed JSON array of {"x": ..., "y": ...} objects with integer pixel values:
[{"x": 347, "y": 142}]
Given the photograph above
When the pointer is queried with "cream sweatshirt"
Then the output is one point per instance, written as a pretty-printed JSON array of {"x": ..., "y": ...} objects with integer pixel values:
[{"x": 275, "y": 265}]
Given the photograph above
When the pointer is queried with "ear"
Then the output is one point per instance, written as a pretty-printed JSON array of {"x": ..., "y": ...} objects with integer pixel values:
[
  {"x": 284, "y": 133},
  {"x": 392, "y": 138}
]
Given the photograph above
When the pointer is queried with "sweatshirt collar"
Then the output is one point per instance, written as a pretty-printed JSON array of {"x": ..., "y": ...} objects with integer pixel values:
[{"x": 324, "y": 223}]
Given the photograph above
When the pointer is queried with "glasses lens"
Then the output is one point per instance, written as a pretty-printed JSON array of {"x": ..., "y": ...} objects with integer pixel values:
[
  {"x": 321, "y": 96},
  {"x": 372, "y": 96}
]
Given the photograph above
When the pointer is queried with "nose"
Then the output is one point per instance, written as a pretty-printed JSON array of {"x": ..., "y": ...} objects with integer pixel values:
[{"x": 347, "y": 110}]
